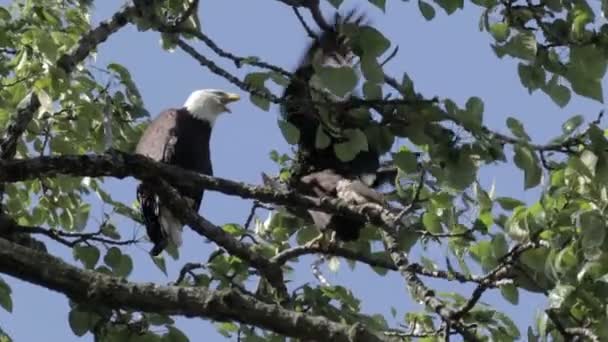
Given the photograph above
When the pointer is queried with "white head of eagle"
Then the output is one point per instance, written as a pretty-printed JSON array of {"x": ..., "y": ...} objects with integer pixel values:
[{"x": 180, "y": 137}]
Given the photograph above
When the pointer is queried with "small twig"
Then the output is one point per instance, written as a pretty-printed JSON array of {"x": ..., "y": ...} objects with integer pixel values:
[
  {"x": 216, "y": 69},
  {"x": 499, "y": 272},
  {"x": 251, "y": 215},
  {"x": 415, "y": 199},
  {"x": 391, "y": 56},
  {"x": 307, "y": 28},
  {"x": 63, "y": 236},
  {"x": 18, "y": 80},
  {"x": 187, "y": 268},
  {"x": 317, "y": 15}
]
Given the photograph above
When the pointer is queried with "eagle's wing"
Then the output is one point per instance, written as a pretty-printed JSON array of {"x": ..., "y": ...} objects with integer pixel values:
[
  {"x": 158, "y": 140},
  {"x": 158, "y": 143}
]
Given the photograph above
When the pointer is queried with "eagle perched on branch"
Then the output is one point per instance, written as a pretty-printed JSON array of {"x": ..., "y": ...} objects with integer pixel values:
[
  {"x": 180, "y": 137},
  {"x": 318, "y": 169}
]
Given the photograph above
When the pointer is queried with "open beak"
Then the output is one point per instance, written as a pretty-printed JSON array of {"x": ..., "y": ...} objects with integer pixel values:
[{"x": 228, "y": 98}]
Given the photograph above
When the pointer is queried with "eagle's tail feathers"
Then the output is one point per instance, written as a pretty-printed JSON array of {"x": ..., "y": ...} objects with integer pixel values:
[{"x": 171, "y": 226}]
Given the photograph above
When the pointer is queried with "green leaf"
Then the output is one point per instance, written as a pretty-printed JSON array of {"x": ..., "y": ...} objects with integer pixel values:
[
  {"x": 559, "y": 94},
  {"x": 113, "y": 257},
  {"x": 511, "y": 328},
  {"x": 340, "y": 81},
  {"x": 357, "y": 142},
  {"x": 306, "y": 234},
  {"x": 257, "y": 80},
  {"x": 372, "y": 91},
  {"x": 335, "y": 3},
  {"x": 588, "y": 87},
  {"x": 175, "y": 335},
  {"x": 593, "y": 230},
  {"x": 381, "y": 4},
  {"x": 88, "y": 255},
  {"x": 406, "y": 161},
  {"x": 473, "y": 115},
  {"x": 526, "y": 160},
  {"x": 522, "y": 46},
  {"x": 5, "y": 296},
  {"x": 508, "y": 203},
  {"x": 500, "y": 31},
  {"x": 517, "y": 128},
  {"x": 121, "y": 264},
  {"x": 510, "y": 293},
  {"x": 380, "y": 138},
  {"x": 371, "y": 41},
  {"x": 260, "y": 102},
  {"x": 572, "y": 124},
  {"x": 482, "y": 252},
  {"x": 372, "y": 70},
  {"x": 291, "y": 133},
  {"x": 588, "y": 61},
  {"x": 79, "y": 321},
  {"x": 582, "y": 16},
  {"x": 428, "y": 12},
  {"x": 450, "y": 6},
  {"x": 322, "y": 140},
  {"x": 531, "y": 76},
  {"x": 159, "y": 261},
  {"x": 500, "y": 246},
  {"x": 432, "y": 223},
  {"x": 233, "y": 229}
]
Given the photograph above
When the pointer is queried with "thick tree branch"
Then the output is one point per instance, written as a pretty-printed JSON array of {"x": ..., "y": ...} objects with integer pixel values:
[
  {"x": 178, "y": 205},
  {"x": 94, "y": 37},
  {"x": 424, "y": 293},
  {"x": 226, "y": 305},
  {"x": 15, "y": 128},
  {"x": 121, "y": 165}
]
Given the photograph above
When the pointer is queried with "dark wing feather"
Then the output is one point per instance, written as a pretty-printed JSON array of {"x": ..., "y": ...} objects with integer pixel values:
[{"x": 158, "y": 143}]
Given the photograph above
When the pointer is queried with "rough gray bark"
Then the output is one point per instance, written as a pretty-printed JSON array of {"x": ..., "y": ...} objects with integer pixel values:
[{"x": 82, "y": 285}]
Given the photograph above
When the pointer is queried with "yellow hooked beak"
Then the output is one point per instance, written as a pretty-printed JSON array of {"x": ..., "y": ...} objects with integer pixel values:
[{"x": 228, "y": 98}]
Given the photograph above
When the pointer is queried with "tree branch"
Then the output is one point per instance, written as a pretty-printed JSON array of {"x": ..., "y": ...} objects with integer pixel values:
[
  {"x": 223, "y": 305},
  {"x": 179, "y": 206},
  {"x": 94, "y": 37},
  {"x": 15, "y": 128},
  {"x": 120, "y": 165}
]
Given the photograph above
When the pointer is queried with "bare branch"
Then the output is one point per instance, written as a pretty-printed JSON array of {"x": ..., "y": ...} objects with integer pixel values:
[
  {"x": 178, "y": 205},
  {"x": 188, "y": 268},
  {"x": 421, "y": 291},
  {"x": 94, "y": 37},
  {"x": 14, "y": 130},
  {"x": 216, "y": 69},
  {"x": 307, "y": 28},
  {"x": 223, "y": 305},
  {"x": 120, "y": 165}
]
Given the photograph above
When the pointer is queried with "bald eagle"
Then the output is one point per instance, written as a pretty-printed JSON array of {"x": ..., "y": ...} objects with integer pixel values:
[
  {"x": 180, "y": 137},
  {"x": 317, "y": 170}
]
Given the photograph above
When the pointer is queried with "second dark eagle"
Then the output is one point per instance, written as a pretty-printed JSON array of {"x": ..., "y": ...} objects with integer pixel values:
[{"x": 317, "y": 170}]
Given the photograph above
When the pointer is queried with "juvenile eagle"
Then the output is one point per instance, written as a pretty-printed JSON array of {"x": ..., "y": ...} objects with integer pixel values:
[{"x": 180, "y": 137}]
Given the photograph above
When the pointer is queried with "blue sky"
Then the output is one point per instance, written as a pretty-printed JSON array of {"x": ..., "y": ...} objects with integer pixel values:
[{"x": 447, "y": 57}]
